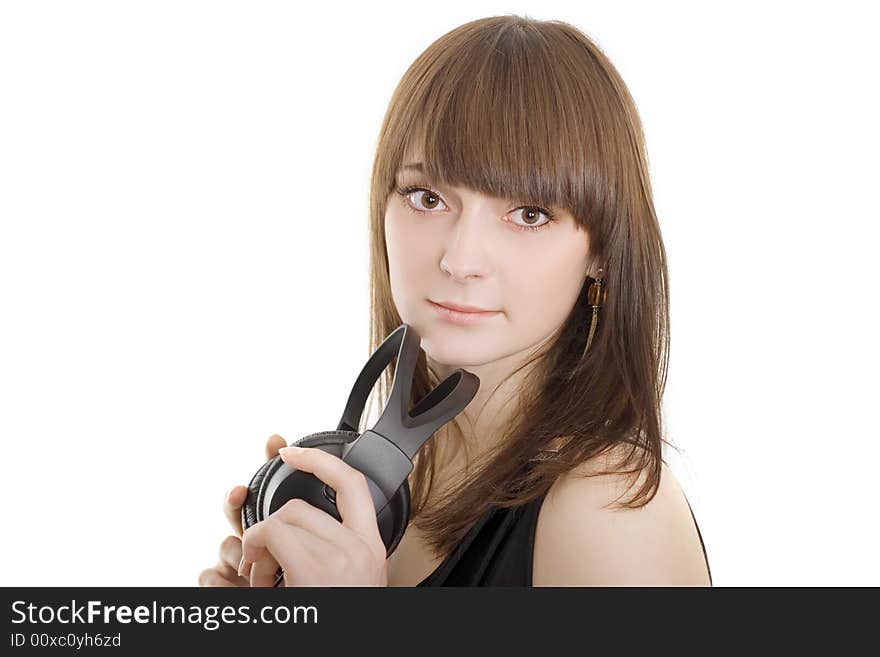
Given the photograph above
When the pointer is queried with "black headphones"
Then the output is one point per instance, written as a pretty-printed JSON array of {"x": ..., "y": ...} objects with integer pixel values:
[{"x": 383, "y": 454}]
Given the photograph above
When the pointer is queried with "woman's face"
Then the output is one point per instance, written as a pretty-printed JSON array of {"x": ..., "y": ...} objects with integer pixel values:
[{"x": 452, "y": 244}]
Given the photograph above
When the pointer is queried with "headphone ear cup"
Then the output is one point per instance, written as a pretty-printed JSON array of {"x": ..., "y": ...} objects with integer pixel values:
[
  {"x": 249, "y": 508},
  {"x": 392, "y": 520},
  {"x": 337, "y": 437}
]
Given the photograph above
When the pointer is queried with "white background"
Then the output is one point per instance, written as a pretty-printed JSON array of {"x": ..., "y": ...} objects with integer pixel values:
[{"x": 183, "y": 264}]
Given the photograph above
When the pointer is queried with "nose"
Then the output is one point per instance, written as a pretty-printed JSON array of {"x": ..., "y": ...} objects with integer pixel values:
[{"x": 465, "y": 255}]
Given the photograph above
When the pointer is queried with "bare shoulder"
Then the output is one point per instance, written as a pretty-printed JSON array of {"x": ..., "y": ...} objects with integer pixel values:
[{"x": 580, "y": 540}]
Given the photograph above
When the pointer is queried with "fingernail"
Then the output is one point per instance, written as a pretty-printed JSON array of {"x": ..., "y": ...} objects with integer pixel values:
[
  {"x": 241, "y": 566},
  {"x": 291, "y": 449}
]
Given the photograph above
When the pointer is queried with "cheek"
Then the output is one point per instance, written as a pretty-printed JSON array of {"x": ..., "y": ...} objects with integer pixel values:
[
  {"x": 409, "y": 259},
  {"x": 545, "y": 290}
]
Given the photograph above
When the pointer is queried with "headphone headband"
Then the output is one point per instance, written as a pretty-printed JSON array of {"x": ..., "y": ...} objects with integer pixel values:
[{"x": 406, "y": 429}]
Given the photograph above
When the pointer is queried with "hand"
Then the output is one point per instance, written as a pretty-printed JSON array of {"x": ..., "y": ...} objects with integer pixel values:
[
  {"x": 312, "y": 547},
  {"x": 225, "y": 573}
]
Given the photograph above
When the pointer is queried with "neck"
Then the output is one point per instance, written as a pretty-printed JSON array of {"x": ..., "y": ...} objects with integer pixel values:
[{"x": 486, "y": 415}]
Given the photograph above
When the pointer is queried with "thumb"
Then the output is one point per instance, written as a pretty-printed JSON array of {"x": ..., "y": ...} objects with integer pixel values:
[{"x": 273, "y": 444}]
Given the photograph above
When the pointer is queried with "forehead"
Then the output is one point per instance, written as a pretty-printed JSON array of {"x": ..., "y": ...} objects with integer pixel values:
[
  {"x": 456, "y": 171},
  {"x": 414, "y": 166},
  {"x": 411, "y": 165},
  {"x": 411, "y": 169}
]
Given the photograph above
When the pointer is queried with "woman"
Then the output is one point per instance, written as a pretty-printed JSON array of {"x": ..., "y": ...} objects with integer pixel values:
[{"x": 511, "y": 177}]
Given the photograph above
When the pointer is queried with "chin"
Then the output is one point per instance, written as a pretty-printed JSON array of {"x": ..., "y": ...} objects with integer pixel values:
[{"x": 453, "y": 346}]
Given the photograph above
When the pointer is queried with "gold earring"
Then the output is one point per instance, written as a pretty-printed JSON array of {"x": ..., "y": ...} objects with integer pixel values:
[{"x": 595, "y": 297}]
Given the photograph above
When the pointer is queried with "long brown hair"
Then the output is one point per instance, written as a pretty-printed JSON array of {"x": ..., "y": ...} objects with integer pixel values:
[{"x": 521, "y": 108}]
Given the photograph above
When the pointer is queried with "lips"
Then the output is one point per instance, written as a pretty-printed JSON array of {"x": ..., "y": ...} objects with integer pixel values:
[
  {"x": 451, "y": 313},
  {"x": 461, "y": 307}
]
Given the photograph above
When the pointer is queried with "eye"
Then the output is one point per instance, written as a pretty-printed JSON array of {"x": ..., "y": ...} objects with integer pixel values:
[
  {"x": 432, "y": 198},
  {"x": 531, "y": 216},
  {"x": 530, "y": 212}
]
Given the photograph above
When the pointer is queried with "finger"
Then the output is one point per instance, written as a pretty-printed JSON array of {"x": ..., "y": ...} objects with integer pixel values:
[
  {"x": 238, "y": 494},
  {"x": 263, "y": 572},
  {"x": 232, "y": 507},
  {"x": 353, "y": 498},
  {"x": 293, "y": 548},
  {"x": 317, "y": 522},
  {"x": 230, "y": 556},
  {"x": 273, "y": 444},
  {"x": 210, "y": 577}
]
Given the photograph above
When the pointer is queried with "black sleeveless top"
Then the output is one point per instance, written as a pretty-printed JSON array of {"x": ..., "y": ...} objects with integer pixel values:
[{"x": 498, "y": 550}]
